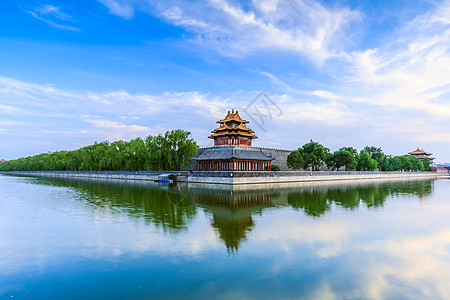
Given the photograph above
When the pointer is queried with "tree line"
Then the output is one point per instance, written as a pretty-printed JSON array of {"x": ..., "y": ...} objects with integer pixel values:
[
  {"x": 170, "y": 151},
  {"x": 313, "y": 155}
]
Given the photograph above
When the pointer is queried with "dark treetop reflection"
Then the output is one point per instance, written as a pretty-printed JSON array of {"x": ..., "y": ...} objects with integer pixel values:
[
  {"x": 104, "y": 239},
  {"x": 173, "y": 206}
]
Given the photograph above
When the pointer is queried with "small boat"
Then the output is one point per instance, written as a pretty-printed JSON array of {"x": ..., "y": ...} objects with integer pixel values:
[{"x": 167, "y": 177}]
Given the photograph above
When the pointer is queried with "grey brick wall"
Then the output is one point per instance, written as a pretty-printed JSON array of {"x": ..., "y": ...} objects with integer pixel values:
[{"x": 279, "y": 155}]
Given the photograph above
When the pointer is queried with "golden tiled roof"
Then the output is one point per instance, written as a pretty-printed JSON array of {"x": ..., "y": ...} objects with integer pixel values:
[
  {"x": 228, "y": 127},
  {"x": 233, "y": 116},
  {"x": 225, "y": 127},
  {"x": 419, "y": 151}
]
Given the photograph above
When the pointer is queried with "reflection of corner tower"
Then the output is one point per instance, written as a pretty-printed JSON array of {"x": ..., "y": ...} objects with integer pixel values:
[
  {"x": 232, "y": 226},
  {"x": 232, "y": 211},
  {"x": 232, "y": 149}
]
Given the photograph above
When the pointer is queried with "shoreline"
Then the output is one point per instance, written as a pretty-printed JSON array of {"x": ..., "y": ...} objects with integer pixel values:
[
  {"x": 236, "y": 178},
  {"x": 309, "y": 177},
  {"x": 125, "y": 175}
]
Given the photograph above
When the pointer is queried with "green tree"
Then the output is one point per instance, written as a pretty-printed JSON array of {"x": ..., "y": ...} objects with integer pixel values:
[
  {"x": 340, "y": 159},
  {"x": 314, "y": 155},
  {"x": 352, "y": 150},
  {"x": 365, "y": 162},
  {"x": 182, "y": 147},
  {"x": 427, "y": 165},
  {"x": 295, "y": 160},
  {"x": 378, "y": 155},
  {"x": 171, "y": 151},
  {"x": 275, "y": 168},
  {"x": 416, "y": 164},
  {"x": 394, "y": 163},
  {"x": 406, "y": 163}
]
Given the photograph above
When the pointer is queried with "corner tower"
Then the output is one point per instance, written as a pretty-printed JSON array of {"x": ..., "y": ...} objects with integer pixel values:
[
  {"x": 232, "y": 149},
  {"x": 232, "y": 131}
]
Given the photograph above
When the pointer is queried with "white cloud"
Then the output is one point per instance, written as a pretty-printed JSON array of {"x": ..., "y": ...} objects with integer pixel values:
[
  {"x": 8, "y": 109},
  {"x": 112, "y": 130},
  {"x": 50, "y": 10},
  {"x": 303, "y": 27},
  {"x": 324, "y": 94},
  {"x": 307, "y": 109},
  {"x": 53, "y": 16},
  {"x": 120, "y": 8},
  {"x": 412, "y": 70}
]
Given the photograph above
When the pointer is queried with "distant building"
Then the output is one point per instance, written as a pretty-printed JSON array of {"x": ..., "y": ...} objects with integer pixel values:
[
  {"x": 440, "y": 168},
  {"x": 422, "y": 155},
  {"x": 2, "y": 160}
]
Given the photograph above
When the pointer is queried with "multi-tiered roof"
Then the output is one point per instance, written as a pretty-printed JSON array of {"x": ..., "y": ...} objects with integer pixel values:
[
  {"x": 232, "y": 131},
  {"x": 422, "y": 154}
]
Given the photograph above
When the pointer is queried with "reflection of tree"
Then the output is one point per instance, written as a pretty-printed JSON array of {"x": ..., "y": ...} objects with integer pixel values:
[
  {"x": 169, "y": 206},
  {"x": 316, "y": 200},
  {"x": 420, "y": 189}
]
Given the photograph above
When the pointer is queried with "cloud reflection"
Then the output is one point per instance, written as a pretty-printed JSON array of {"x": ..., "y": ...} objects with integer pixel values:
[{"x": 382, "y": 240}]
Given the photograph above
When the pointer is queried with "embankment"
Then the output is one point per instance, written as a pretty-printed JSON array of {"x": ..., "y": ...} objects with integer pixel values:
[
  {"x": 237, "y": 178},
  {"x": 128, "y": 175},
  {"x": 234, "y": 178}
]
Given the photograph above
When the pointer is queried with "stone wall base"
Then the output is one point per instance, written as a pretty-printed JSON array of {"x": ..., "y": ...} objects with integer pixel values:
[
  {"x": 287, "y": 179},
  {"x": 242, "y": 178}
]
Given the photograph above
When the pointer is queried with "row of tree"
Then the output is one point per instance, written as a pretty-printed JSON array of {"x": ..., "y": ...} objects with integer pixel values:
[
  {"x": 170, "y": 151},
  {"x": 313, "y": 155}
]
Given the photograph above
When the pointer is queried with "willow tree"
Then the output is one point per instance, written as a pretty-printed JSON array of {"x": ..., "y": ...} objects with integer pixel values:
[{"x": 170, "y": 151}]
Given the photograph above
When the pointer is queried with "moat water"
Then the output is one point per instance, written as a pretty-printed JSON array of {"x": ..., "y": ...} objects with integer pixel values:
[{"x": 91, "y": 239}]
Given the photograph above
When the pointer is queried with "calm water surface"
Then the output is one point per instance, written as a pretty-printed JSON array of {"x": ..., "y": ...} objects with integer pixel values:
[{"x": 86, "y": 239}]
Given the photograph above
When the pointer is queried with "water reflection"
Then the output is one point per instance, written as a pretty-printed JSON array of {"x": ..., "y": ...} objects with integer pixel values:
[
  {"x": 231, "y": 209},
  {"x": 142, "y": 240},
  {"x": 167, "y": 206},
  {"x": 317, "y": 200}
]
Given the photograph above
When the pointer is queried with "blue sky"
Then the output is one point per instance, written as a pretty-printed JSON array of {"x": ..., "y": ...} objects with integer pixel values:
[{"x": 343, "y": 73}]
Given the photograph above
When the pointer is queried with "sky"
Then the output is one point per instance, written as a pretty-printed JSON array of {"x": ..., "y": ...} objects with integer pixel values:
[{"x": 342, "y": 73}]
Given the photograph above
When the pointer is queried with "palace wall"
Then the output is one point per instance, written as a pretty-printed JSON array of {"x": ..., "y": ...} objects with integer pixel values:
[{"x": 280, "y": 156}]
